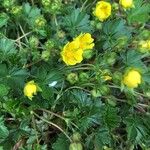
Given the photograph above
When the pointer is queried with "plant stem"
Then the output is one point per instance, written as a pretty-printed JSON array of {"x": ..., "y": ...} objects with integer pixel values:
[{"x": 53, "y": 124}]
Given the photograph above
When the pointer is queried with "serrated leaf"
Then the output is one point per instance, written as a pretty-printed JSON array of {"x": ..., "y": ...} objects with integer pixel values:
[
  {"x": 77, "y": 22},
  {"x": 81, "y": 98},
  {"x": 30, "y": 13},
  {"x": 17, "y": 76},
  {"x": 61, "y": 143},
  {"x": 110, "y": 117},
  {"x": 3, "y": 19},
  {"x": 112, "y": 31},
  {"x": 7, "y": 48},
  {"x": 133, "y": 59},
  {"x": 136, "y": 130},
  {"x": 140, "y": 13},
  {"x": 102, "y": 138},
  {"x": 3, "y": 129}
]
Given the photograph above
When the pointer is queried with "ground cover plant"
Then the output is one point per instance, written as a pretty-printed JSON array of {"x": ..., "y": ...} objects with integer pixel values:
[{"x": 74, "y": 75}]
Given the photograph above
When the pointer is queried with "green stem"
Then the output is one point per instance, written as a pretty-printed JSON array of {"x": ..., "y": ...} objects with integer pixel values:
[{"x": 53, "y": 124}]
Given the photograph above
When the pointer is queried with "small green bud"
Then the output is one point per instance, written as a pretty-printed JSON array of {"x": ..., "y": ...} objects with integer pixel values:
[
  {"x": 83, "y": 76},
  {"x": 104, "y": 89},
  {"x": 72, "y": 78},
  {"x": 61, "y": 34},
  {"x": 8, "y": 3},
  {"x": 52, "y": 6},
  {"x": 99, "y": 26},
  {"x": 49, "y": 44},
  {"x": 87, "y": 54},
  {"x": 145, "y": 34},
  {"x": 115, "y": 6},
  {"x": 45, "y": 55},
  {"x": 111, "y": 58},
  {"x": 46, "y": 2},
  {"x": 40, "y": 22},
  {"x": 33, "y": 41},
  {"x": 16, "y": 10},
  {"x": 76, "y": 137},
  {"x": 147, "y": 93},
  {"x": 107, "y": 148},
  {"x": 75, "y": 146},
  {"x": 95, "y": 93}
]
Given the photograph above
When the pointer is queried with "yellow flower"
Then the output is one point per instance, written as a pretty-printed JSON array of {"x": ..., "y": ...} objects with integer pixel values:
[
  {"x": 102, "y": 10},
  {"x": 126, "y": 3},
  {"x": 30, "y": 89},
  {"x": 132, "y": 79},
  {"x": 86, "y": 41},
  {"x": 72, "y": 53}
]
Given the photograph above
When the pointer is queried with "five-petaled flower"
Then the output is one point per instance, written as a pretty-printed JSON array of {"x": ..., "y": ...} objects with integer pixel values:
[
  {"x": 132, "y": 79},
  {"x": 102, "y": 10}
]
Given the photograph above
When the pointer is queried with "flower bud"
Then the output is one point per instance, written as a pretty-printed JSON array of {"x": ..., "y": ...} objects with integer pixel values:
[
  {"x": 72, "y": 78},
  {"x": 95, "y": 93},
  {"x": 76, "y": 137},
  {"x": 8, "y": 3},
  {"x": 87, "y": 54},
  {"x": 49, "y": 44},
  {"x": 111, "y": 58},
  {"x": 40, "y": 22},
  {"x": 45, "y": 55},
  {"x": 83, "y": 76},
  {"x": 75, "y": 146},
  {"x": 115, "y": 6},
  {"x": 16, "y": 10},
  {"x": 33, "y": 41}
]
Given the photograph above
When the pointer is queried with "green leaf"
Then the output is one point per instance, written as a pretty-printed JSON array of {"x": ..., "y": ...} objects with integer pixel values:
[
  {"x": 47, "y": 92},
  {"x": 3, "y": 90},
  {"x": 30, "y": 13},
  {"x": 110, "y": 117},
  {"x": 3, "y": 70},
  {"x": 102, "y": 138},
  {"x": 140, "y": 13},
  {"x": 3, "y": 19},
  {"x": 3, "y": 129},
  {"x": 81, "y": 98},
  {"x": 146, "y": 77},
  {"x": 133, "y": 59},
  {"x": 61, "y": 143},
  {"x": 112, "y": 31},
  {"x": 76, "y": 22},
  {"x": 136, "y": 131},
  {"x": 17, "y": 76},
  {"x": 7, "y": 48}
]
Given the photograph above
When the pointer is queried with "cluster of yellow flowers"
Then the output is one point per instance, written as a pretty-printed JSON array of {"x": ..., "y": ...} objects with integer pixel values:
[
  {"x": 72, "y": 52},
  {"x": 103, "y": 9},
  {"x": 131, "y": 79},
  {"x": 144, "y": 45}
]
